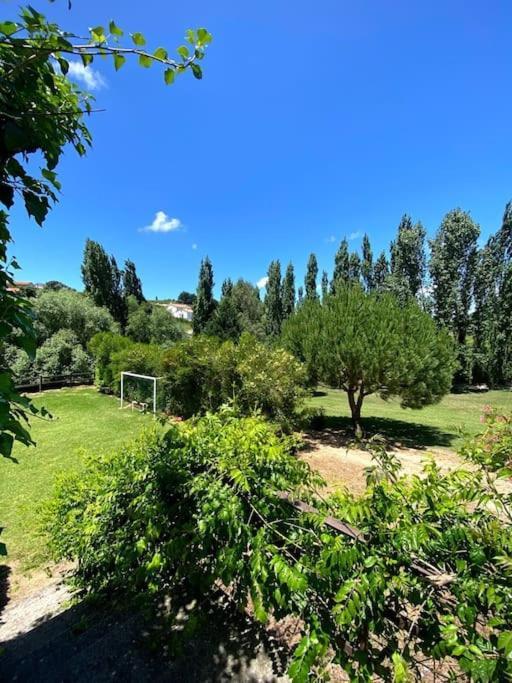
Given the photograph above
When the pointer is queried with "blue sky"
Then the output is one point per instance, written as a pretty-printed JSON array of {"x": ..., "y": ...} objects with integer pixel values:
[{"x": 314, "y": 121}]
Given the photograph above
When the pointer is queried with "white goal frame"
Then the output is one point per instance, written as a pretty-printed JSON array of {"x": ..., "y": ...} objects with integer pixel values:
[{"x": 126, "y": 373}]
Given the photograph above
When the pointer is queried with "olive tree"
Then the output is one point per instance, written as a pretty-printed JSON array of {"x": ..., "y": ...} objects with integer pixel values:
[{"x": 369, "y": 344}]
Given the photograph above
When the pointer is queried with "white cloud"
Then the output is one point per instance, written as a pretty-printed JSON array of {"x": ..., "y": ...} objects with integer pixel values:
[
  {"x": 262, "y": 282},
  {"x": 88, "y": 76},
  {"x": 355, "y": 235},
  {"x": 194, "y": 246},
  {"x": 163, "y": 223},
  {"x": 331, "y": 239}
]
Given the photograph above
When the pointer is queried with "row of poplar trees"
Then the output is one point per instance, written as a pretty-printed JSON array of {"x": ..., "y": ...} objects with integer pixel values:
[
  {"x": 466, "y": 288},
  {"x": 107, "y": 284}
]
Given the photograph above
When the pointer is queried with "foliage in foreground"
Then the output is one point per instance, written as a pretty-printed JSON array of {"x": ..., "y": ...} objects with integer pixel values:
[{"x": 200, "y": 503}]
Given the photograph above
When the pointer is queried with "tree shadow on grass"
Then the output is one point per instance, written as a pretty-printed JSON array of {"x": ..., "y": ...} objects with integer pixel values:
[
  {"x": 4, "y": 587},
  {"x": 101, "y": 643},
  {"x": 337, "y": 432}
]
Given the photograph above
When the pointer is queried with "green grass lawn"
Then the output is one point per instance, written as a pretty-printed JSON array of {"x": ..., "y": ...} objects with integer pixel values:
[
  {"x": 82, "y": 419},
  {"x": 432, "y": 426}
]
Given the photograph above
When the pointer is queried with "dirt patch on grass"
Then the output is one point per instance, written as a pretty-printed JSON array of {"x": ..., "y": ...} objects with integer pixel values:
[{"x": 342, "y": 465}]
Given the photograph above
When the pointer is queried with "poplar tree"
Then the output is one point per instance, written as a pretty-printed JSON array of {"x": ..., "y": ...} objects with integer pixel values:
[
  {"x": 288, "y": 292},
  {"x": 97, "y": 273},
  {"x": 380, "y": 271},
  {"x": 408, "y": 262},
  {"x": 325, "y": 285},
  {"x": 367, "y": 264},
  {"x": 310, "y": 279},
  {"x": 131, "y": 282},
  {"x": 452, "y": 270},
  {"x": 354, "y": 268},
  {"x": 225, "y": 323},
  {"x": 103, "y": 280},
  {"x": 117, "y": 302},
  {"x": 274, "y": 300},
  {"x": 491, "y": 320},
  {"x": 340, "y": 274},
  {"x": 204, "y": 306}
]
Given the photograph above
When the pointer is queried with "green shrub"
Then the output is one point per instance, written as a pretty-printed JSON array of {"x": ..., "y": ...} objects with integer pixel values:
[
  {"x": 428, "y": 578},
  {"x": 193, "y": 383},
  {"x": 269, "y": 379},
  {"x": 60, "y": 354},
  {"x": 493, "y": 447},
  {"x": 202, "y": 373},
  {"x": 144, "y": 359},
  {"x": 102, "y": 346}
]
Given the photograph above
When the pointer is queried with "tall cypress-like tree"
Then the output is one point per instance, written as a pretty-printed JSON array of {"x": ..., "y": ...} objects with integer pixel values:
[
  {"x": 491, "y": 322},
  {"x": 325, "y": 285},
  {"x": 204, "y": 306},
  {"x": 225, "y": 322},
  {"x": 97, "y": 273},
  {"x": 380, "y": 271},
  {"x": 354, "y": 268},
  {"x": 274, "y": 300},
  {"x": 300, "y": 295},
  {"x": 367, "y": 264},
  {"x": 341, "y": 266},
  {"x": 288, "y": 292},
  {"x": 408, "y": 262},
  {"x": 117, "y": 306},
  {"x": 452, "y": 270},
  {"x": 310, "y": 278},
  {"x": 103, "y": 280},
  {"x": 131, "y": 282}
]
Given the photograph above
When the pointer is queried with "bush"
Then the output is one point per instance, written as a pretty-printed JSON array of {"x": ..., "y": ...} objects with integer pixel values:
[
  {"x": 493, "y": 448},
  {"x": 193, "y": 383},
  {"x": 103, "y": 346},
  {"x": 70, "y": 310},
  {"x": 428, "y": 577},
  {"x": 269, "y": 379},
  {"x": 62, "y": 354},
  {"x": 202, "y": 373}
]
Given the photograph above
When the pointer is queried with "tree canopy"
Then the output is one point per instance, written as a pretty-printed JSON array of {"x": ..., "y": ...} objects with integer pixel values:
[{"x": 369, "y": 343}]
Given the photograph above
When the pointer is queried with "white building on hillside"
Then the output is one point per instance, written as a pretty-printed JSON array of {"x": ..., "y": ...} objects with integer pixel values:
[{"x": 182, "y": 311}]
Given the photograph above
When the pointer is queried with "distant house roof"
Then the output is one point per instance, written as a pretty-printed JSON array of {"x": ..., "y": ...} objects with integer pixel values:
[{"x": 183, "y": 307}]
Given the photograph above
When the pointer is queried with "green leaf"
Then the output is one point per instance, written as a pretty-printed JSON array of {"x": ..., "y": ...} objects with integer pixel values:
[
  {"x": 196, "y": 70},
  {"x": 98, "y": 34},
  {"x": 183, "y": 52},
  {"x": 203, "y": 36},
  {"x": 160, "y": 53},
  {"x": 145, "y": 61},
  {"x": 119, "y": 60},
  {"x": 138, "y": 39},
  {"x": 7, "y": 28},
  {"x": 86, "y": 58},
  {"x": 190, "y": 35},
  {"x": 64, "y": 65},
  {"x": 400, "y": 670},
  {"x": 115, "y": 30},
  {"x": 169, "y": 76},
  {"x": 505, "y": 642}
]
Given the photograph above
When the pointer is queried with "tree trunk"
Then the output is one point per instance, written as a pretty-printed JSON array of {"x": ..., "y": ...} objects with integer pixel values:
[{"x": 355, "y": 401}]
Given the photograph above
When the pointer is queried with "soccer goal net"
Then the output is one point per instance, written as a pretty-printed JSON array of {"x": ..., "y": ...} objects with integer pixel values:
[{"x": 139, "y": 392}]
